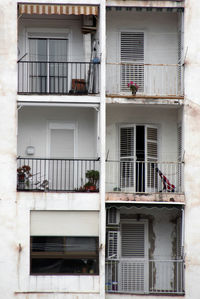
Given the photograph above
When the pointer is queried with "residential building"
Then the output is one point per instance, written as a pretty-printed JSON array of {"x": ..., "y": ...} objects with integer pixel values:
[{"x": 99, "y": 186}]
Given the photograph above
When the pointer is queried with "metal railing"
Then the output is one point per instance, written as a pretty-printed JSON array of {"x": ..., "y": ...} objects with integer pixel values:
[
  {"x": 75, "y": 78},
  {"x": 145, "y": 177},
  {"x": 139, "y": 276},
  {"x": 37, "y": 174},
  {"x": 152, "y": 79}
]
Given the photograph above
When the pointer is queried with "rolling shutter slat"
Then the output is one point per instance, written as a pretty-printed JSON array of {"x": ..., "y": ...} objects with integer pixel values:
[{"x": 133, "y": 240}]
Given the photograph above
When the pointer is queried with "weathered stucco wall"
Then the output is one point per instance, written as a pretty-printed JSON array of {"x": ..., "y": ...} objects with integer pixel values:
[
  {"x": 8, "y": 84},
  {"x": 26, "y": 283},
  {"x": 33, "y": 129},
  {"x": 160, "y": 47},
  {"x": 192, "y": 144},
  {"x": 68, "y": 27},
  {"x": 165, "y": 119}
]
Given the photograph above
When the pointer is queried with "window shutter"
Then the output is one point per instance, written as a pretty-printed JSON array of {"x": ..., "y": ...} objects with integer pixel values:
[
  {"x": 112, "y": 244},
  {"x": 132, "y": 54},
  {"x": 112, "y": 216},
  {"x": 180, "y": 172},
  {"x": 133, "y": 240},
  {"x": 180, "y": 54},
  {"x": 179, "y": 143},
  {"x": 132, "y": 277},
  {"x": 127, "y": 156},
  {"x": 133, "y": 265},
  {"x": 151, "y": 155}
]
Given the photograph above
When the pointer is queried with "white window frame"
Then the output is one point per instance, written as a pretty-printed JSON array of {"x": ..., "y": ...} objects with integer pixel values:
[{"x": 47, "y": 33}]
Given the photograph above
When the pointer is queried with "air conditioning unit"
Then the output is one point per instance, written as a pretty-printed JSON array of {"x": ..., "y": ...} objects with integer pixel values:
[
  {"x": 88, "y": 24},
  {"x": 88, "y": 21}
]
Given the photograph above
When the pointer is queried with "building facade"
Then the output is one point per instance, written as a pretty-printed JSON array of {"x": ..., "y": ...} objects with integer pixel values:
[{"x": 98, "y": 152}]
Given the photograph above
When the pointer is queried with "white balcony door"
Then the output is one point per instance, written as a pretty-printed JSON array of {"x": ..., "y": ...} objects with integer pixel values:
[
  {"x": 132, "y": 59},
  {"x": 151, "y": 155},
  {"x": 48, "y": 70},
  {"x": 127, "y": 157},
  {"x": 62, "y": 151},
  {"x": 138, "y": 157},
  {"x": 133, "y": 265}
]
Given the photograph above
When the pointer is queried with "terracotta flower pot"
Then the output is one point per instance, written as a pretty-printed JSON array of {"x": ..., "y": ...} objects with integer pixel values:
[{"x": 90, "y": 188}]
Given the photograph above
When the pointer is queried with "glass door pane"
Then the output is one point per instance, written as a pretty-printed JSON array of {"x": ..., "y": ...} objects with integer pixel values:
[
  {"x": 38, "y": 72},
  {"x": 58, "y": 67}
]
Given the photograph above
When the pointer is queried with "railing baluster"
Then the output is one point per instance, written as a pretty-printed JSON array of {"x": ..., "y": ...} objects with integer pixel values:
[
  {"x": 168, "y": 278},
  {"x": 39, "y": 77},
  {"x": 141, "y": 176}
]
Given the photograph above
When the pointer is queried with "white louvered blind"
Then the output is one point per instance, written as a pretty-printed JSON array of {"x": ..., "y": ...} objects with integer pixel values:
[
  {"x": 127, "y": 156},
  {"x": 133, "y": 240},
  {"x": 151, "y": 155},
  {"x": 112, "y": 244},
  {"x": 179, "y": 143},
  {"x": 180, "y": 57},
  {"x": 132, "y": 276},
  {"x": 132, "y": 54}
]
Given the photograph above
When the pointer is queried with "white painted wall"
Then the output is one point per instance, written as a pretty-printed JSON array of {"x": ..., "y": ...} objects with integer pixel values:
[
  {"x": 161, "y": 238},
  {"x": 160, "y": 47},
  {"x": 163, "y": 228},
  {"x": 8, "y": 96},
  {"x": 33, "y": 129},
  {"x": 68, "y": 26},
  {"x": 165, "y": 118},
  {"x": 191, "y": 145},
  {"x": 27, "y": 202}
]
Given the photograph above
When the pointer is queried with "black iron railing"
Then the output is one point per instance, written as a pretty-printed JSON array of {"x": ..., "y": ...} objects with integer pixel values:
[
  {"x": 144, "y": 176},
  {"x": 38, "y": 174},
  {"x": 75, "y": 78},
  {"x": 137, "y": 276}
]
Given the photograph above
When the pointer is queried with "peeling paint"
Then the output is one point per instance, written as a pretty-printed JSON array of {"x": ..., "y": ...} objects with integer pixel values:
[{"x": 147, "y": 197}]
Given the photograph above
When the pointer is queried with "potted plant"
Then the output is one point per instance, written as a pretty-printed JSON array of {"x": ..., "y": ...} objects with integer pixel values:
[
  {"x": 23, "y": 176},
  {"x": 133, "y": 87},
  {"x": 93, "y": 179}
]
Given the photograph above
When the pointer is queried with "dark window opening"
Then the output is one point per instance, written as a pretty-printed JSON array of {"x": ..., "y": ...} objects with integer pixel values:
[
  {"x": 140, "y": 154},
  {"x": 64, "y": 255}
]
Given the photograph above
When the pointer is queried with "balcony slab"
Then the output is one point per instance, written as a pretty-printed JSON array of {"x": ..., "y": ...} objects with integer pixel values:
[
  {"x": 53, "y": 99},
  {"x": 145, "y": 100},
  {"x": 59, "y": 200},
  {"x": 145, "y": 3},
  {"x": 145, "y": 197}
]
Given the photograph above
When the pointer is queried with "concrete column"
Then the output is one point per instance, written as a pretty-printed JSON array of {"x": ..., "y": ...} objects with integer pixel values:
[
  {"x": 8, "y": 95},
  {"x": 102, "y": 39},
  {"x": 192, "y": 147}
]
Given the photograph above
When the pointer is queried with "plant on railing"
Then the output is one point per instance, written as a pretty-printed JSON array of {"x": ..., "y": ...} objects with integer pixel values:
[
  {"x": 133, "y": 87},
  {"x": 93, "y": 179},
  {"x": 23, "y": 176}
]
